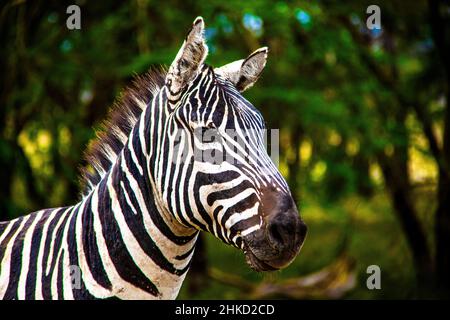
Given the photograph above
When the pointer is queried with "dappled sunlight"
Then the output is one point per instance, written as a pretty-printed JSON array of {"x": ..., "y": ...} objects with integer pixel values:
[{"x": 37, "y": 145}]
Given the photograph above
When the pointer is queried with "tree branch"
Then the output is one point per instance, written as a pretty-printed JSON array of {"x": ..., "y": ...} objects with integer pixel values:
[{"x": 389, "y": 83}]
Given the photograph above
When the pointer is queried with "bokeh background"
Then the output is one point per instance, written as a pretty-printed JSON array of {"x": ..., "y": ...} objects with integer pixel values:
[{"x": 363, "y": 117}]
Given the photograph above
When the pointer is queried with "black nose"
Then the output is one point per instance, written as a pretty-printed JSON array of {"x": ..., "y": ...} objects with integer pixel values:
[{"x": 286, "y": 230}]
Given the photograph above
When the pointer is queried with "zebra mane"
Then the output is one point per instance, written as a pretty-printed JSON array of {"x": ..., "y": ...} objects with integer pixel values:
[{"x": 102, "y": 152}]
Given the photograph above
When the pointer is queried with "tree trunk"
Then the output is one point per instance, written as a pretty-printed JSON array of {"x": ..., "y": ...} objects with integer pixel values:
[
  {"x": 294, "y": 164},
  {"x": 398, "y": 188},
  {"x": 440, "y": 31},
  {"x": 442, "y": 217},
  {"x": 364, "y": 186},
  {"x": 397, "y": 181}
]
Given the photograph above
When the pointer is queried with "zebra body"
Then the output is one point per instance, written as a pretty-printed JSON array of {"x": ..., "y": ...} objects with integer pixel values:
[
  {"x": 116, "y": 235},
  {"x": 132, "y": 235}
]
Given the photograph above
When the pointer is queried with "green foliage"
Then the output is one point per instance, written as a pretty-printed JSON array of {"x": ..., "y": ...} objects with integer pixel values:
[{"x": 331, "y": 86}]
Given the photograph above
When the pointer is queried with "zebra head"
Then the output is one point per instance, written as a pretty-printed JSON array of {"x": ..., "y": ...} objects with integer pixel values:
[{"x": 224, "y": 181}]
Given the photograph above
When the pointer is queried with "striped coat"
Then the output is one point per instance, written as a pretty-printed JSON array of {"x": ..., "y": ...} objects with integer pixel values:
[{"x": 153, "y": 184}]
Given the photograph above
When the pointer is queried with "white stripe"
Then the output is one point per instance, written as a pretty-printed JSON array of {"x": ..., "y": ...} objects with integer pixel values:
[
  {"x": 250, "y": 230},
  {"x": 166, "y": 245},
  {"x": 39, "y": 267},
  {"x": 64, "y": 252},
  {"x": 239, "y": 216},
  {"x": 127, "y": 197},
  {"x": 120, "y": 287},
  {"x": 6, "y": 261},
  {"x": 91, "y": 285},
  {"x": 49, "y": 261},
  {"x": 133, "y": 156},
  {"x": 6, "y": 231},
  {"x": 21, "y": 286},
  {"x": 66, "y": 276},
  {"x": 167, "y": 283}
]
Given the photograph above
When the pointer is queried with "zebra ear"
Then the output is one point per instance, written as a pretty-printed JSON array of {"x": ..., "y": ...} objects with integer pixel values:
[
  {"x": 189, "y": 59},
  {"x": 244, "y": 73}
]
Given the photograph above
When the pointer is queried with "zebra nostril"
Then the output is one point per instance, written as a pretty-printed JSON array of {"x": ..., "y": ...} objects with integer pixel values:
[
  {"x": 282, "y": 229},
  {"x": 275, "y": 233}
]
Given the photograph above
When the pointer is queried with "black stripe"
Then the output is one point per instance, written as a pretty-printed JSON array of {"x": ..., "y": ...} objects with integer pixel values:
[
  {"x": 59, "y": 269},
  {"x": 137, "y": 227},
  {"x": 81, "y": 292},
  {"x": 46, "y": 280},
  {"x": 177, "y": 185},
  {"x": 228, "y": 193},
  {"x": 34, "y": 253},
  {"x": 240, "y": 206},
  {"x": 208, "y": 179},
  {"x": 8, "y": 237},
  {"x": 187, "y": 253},
  {"x": 244, "y": 224},
  {"x": 118, "y": 252},
  {"x": 147, "y": 192},
  {"x": 219, "y": 234},
  {"x": 90, "y": 247},
  {"x": 16, "y": 261}
]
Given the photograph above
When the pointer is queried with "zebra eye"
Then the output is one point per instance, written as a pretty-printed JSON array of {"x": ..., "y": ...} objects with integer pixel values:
[{"x": 209, "y": 129}]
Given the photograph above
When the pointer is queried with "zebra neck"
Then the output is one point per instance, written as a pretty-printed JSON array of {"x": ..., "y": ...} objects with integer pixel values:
[{"x": 149, "y": 252}]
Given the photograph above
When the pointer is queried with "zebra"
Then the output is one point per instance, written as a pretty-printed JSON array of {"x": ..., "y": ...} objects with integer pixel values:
[{"x": 147, "y": 196}]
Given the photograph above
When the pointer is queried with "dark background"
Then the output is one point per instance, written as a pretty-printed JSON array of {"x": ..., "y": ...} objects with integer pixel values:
[{"x": 363, "y": 118}]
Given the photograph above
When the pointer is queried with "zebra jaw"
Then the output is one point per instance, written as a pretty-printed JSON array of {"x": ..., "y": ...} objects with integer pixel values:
[
  {"x": 278, "y": 241},
  {"x": 257, "y": 264}
]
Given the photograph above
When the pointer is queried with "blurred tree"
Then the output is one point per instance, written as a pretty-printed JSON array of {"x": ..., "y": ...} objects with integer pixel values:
[
  {"x": 348, "y": 100},
  {"x": 407, "y": 95}
]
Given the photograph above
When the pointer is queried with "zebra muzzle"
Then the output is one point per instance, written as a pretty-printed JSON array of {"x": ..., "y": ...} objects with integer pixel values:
[{"x": 276, "y": 244}]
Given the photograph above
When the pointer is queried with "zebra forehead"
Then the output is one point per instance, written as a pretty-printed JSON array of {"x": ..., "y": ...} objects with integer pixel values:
[{"x": 230, "y": 97}]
